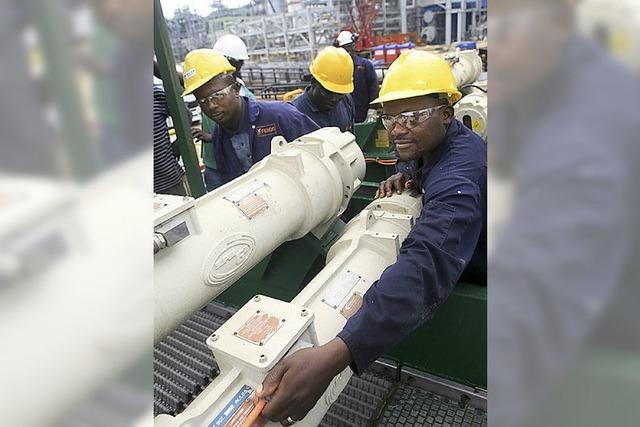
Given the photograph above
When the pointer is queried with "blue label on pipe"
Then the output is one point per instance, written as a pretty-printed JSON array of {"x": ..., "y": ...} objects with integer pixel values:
[{"x": 232, "y": 407}]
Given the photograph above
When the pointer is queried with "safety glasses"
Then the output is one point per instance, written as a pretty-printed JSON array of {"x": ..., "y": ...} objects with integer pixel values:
[
  {"x": 409, "y": 119},
  {"x": 216, "y": 96}
]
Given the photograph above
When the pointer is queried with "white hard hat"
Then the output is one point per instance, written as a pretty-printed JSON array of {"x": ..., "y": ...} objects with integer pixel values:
[
  {"x": 231, "y": 46},
  {"x": 344, "y": 38}
]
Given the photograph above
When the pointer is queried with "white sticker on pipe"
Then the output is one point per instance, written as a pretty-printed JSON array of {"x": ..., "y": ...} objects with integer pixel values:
[
  {"x": 340, "y": 287},
  {"x": 246, "y": 190}
]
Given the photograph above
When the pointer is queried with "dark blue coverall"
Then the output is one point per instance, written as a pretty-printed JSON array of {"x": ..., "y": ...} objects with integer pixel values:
[
  {"x": 342, "y": 116},
  {"x": 235, "y": 152},
  {"x": 365, "y": 86},
  {"x": 448, "y": 239}
]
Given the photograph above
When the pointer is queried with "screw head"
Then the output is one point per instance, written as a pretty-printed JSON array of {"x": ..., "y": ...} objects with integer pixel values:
[
  {"x": 262, "y": 358},
  {"x": 214, "y": 337},
  {"x": 304, "y": 312},
  {"x": 256, "y": 298}
]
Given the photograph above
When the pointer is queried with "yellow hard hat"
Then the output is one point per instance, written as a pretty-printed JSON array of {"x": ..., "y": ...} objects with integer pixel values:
[
  {"x": 418, "y": 73},
  {"x": 333, "y": 69},
  {"x": 200, "y": 66}
]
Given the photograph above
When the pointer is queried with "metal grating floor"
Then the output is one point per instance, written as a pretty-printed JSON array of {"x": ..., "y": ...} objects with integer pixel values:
[
  {"x": 359, "y": 402},
  {"x": 411, "y": 406},
  {"x": 183, "y": 366}
]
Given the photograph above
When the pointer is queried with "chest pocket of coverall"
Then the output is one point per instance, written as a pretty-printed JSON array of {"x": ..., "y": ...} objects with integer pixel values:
[
  {"x": 438, "y": 217},
  {"x": 242, "y": 148}
]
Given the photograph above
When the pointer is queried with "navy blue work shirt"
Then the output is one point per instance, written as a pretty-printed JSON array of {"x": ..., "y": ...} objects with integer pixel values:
[
  {"x": 342, "y": 116},
  {"x": 236, "y": 151},
  {"x": 365, "y": 86},
  {"x": 449, "y": 238}
]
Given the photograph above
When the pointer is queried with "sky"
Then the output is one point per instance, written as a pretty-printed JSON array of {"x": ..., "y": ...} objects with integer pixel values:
[{"x": 201, "y": 7}]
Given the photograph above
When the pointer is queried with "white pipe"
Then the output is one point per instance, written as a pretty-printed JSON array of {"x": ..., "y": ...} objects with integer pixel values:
[
  {"x": 475, "y": 106},
  {"x": 466, "y": 66},
  {"x": 370, "y": 244},
  {"x": 301, "y": 187},
  {"x": 74, "y": 320}
]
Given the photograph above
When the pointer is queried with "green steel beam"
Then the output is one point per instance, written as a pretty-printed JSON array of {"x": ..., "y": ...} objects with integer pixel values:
[
  {"x": 177, "y": 109},
  {"x": 56, "y": 48}
]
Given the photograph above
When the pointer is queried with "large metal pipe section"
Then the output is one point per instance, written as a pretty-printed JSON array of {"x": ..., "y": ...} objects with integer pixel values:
[
  {"x": 302, "y": 187},
  {"x": 265, "y": 330},
  {"x": 71, "y": 310},
  {"x": 472, "y": 110},
  {"x": 466, "y": 66}
]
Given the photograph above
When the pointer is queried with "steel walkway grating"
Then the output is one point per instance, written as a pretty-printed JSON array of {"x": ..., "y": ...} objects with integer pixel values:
[{"x": 183, "y": 366}]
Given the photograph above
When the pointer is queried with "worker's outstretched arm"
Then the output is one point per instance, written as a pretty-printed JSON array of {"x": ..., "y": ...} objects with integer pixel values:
[
  {"x": 431, "y": 260},
  {"x": 430, "y": 263}
]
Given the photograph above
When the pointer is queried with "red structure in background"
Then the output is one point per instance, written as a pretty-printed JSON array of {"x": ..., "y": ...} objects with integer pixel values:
[
  {"x": 362, "y": 17},
  {"x": 399, "y": 38}
]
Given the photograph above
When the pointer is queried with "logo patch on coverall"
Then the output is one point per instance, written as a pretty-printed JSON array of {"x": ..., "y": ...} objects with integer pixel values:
[{"x": 267, "y": 130}]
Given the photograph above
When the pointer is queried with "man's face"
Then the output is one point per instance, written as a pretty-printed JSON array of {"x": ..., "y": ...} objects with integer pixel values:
[
  {"x": 324, "y": 99},
  {"x": 225, "y": 109},
  {"x": 418, "y": 139}
]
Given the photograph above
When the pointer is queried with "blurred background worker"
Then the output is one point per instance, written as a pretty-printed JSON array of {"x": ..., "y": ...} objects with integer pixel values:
[
  {"x": 235, "y": 50},
  {"x": 365, "y": 81},
  {"x": 328, "y": 100},
  {"x": 447, "y": 242},
  {"x": 168, "y": 175},
  {"x": 245, "y": 126}
]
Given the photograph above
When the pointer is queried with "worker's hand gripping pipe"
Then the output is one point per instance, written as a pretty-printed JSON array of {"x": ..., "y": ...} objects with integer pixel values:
[
  {"x": 265, "y": 330},
  {"x": 204, "y": 246}
]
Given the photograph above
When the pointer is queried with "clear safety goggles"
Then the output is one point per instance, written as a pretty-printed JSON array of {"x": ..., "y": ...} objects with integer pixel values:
[
  {"x": 409, "y": 119},
  {"x": 217, "y": 96}
]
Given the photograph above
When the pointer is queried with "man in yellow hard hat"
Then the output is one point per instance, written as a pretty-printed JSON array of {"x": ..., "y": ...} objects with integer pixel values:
[
  {"x": 235, "y": 50},
  {"x": 245, "y": 126},
  {"x": 328, "y": 100},
  {"x": 448, "y": 240}
]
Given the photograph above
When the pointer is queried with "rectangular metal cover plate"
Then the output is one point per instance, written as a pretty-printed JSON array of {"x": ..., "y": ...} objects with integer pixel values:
[
  {"x": 340, "y": 288},
  {"x": 247, "y": 200},
  {"x": 259, "y": 328},
  {"x": 353, "y": 304}
]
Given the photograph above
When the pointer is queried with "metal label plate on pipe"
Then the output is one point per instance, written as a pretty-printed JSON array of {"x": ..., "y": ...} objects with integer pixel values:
[
  {"x": 340, "y": 287},
  {"x": 247, "y": 199},
  {"x": 238, "y": 410},
  {"x": 259, "y": 328}
]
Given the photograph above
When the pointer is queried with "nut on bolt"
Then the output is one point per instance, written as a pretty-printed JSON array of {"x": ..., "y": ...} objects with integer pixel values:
[
  {"x": 304, "y": 312},
  {"x": 262, "y": 359},
  {"x": 256, "y": 298},
  {"x": 214, "y": 337}
]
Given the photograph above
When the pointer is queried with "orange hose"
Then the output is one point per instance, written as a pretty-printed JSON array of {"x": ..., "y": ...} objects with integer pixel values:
[
  {"x": 384, "y": 162},
  {"x": 255, "y": 413}
]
